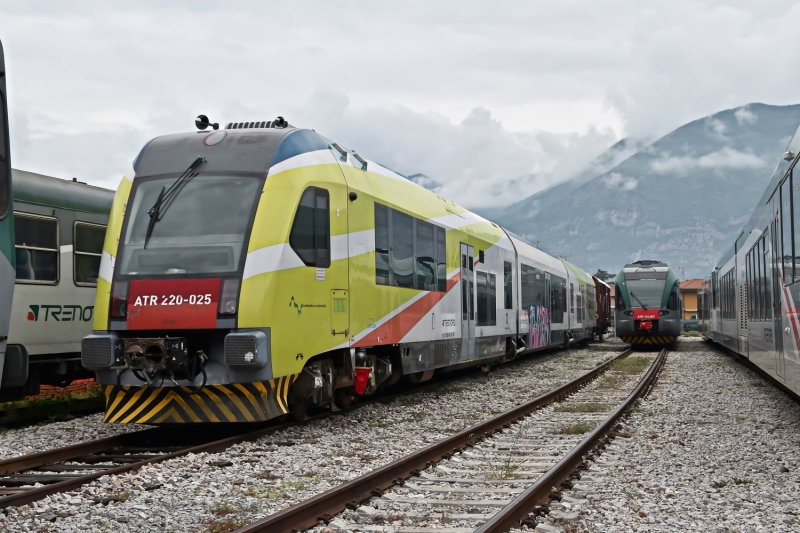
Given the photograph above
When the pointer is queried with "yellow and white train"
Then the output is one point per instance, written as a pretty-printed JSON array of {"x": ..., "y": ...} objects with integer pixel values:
[{"x": 254, "y": 271}]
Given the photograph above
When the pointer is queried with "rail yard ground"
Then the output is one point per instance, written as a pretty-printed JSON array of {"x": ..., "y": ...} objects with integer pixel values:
[
  {"x": 192, "y": 494},
  {"x": 712, "y": 448}
]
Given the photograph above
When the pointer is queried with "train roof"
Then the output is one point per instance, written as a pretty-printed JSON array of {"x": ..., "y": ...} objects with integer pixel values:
[{"x": 38, "y": 189}]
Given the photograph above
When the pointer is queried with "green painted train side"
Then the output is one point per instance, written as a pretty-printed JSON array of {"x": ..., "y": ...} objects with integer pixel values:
[
  {"x": 6, "y": 221},
  {"x": 46, "y": 191},
  {"x": 7, "y": 255}
]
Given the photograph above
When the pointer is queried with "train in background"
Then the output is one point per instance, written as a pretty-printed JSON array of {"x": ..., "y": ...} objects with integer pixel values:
[
  {"x": 59, "y": 228},
  {"x": 10, "y": 369},
  {"x": 749, "y": 303},
  {"x": 260, "y": 269},
  {"x": 648, "y": 308}
]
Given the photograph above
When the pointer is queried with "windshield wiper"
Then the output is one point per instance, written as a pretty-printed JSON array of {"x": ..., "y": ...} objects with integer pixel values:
[
  {"x": 168, "y": 194},
  {"x": 638, "y": 300}
]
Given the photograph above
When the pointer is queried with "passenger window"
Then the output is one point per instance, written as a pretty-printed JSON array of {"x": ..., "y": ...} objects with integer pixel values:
[
  {"x": 508, "y": 286},
  {"x": 36, "y": 249},
  {"x": 5, "y": 190},
  {"x": 310, "y": 236},
  {"x": 409, "y": 252},
  {"x": 402, "y": 250},
  {"x": 787, "y": 232},
  {"x": 296, "y": 143},
  {"x": 87, "y": 250},
  {"x": 441, "y": 260},
  {"x": 381, "y": 245},
  {"x": 426, "y": 257},
  {"x": 487, "y": 298},
  {"x": 571, "y": 298}
]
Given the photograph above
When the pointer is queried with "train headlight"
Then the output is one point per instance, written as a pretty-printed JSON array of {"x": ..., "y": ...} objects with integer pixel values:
[
  {"x": 229, "y": 299},
  {"x": 119, "y": 299}
]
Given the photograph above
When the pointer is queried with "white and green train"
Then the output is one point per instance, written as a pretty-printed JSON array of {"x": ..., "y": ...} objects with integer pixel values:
[
  {"x": 59, "y": 227},
  {"x": 6, "y": 225}
]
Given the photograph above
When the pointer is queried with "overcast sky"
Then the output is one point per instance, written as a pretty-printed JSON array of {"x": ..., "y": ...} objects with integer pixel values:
[{"x": 495, "y": 100}]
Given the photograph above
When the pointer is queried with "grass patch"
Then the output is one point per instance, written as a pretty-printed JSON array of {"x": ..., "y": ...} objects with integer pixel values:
[
  {"x": 587, "y": 407},
  {"x": 719, "y": 484},
  {"x": 225, "y": 525},
  {"x": 579, "y": 428},
  {"x": 741, "y": 481},
  {"x": 631, "y": 365},
  {"x": 609, "y": 382}
]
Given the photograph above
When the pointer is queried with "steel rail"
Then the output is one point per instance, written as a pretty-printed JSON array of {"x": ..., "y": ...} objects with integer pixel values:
[
  {"x": 118, "y": 443},
  {"x": 324, "y": 506},
  {"x": 512, "y": 515}
]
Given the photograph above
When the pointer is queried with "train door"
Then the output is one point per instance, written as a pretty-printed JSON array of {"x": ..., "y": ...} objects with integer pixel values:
[
  {"x": 467, "y": 302},
  {"x": 572, "y": 320},
  {"x": 775, "y": 265}
]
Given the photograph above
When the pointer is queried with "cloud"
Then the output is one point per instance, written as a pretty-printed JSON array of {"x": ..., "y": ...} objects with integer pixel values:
[
  {"x": 745, "y": 116},
  {"x": 494, "y": 105},
  {"x": 724, "y": 158},
  {"x": 615, "y": 180}
]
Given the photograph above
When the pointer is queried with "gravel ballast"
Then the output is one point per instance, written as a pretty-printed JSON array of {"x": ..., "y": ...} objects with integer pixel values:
[
  {"x": 191, "y": 494},
  {"x": 42, "y": 437},
  {"x": 713, "y": 448}
]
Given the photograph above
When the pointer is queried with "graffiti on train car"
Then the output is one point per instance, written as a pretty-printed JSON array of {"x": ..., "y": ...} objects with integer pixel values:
[
  {"x": 60, "y": 313},
  {"x": 540, "y": 326}
]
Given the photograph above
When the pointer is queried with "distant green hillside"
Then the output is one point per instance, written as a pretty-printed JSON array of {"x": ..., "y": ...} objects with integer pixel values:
[{"x": 681, "y": 199}]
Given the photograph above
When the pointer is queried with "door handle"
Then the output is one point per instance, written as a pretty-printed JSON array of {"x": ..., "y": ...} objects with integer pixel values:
[{"x": 786, "y": 330}]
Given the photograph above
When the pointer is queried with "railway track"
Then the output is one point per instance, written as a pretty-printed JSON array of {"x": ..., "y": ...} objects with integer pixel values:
[
  {"x": 490, "y": 477},
  {"x": 28, "y": 478}
]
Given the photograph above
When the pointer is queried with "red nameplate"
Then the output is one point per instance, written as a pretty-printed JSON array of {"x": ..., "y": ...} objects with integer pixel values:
[
  {"x": 645, "y": 314},
  {"x": 173, "y": 303}
]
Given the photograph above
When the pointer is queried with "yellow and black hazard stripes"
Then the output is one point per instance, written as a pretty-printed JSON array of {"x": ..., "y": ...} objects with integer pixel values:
[
  {"x": 651, "y": 339},
  {"x": 234, "y": 402}
]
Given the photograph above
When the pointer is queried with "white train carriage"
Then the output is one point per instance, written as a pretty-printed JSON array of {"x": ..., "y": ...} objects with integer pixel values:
[
  {"x": 59, "y": 230},
  {"x": 750, "y": 302}
]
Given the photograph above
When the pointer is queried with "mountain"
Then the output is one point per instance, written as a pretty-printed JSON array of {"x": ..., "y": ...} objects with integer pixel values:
[
  {"x": 520, "y": 211},
  {"x": 682, "y": 199},
  {"x": 426, "y": 181}
]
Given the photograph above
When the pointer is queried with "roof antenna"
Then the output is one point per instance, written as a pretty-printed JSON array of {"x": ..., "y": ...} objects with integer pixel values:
[{"x": 202, "y": 123}]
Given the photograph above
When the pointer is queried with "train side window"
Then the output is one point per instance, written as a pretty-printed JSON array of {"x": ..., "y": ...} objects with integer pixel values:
[
  {"x": 37, "y": 249},
  {"x": 795, "y": 191},
  {"x": 441, "y": 260},
  {"x": 409, "y": 252},
  {"x": 508, "y": 286},
  {"x": 310, "y": 235},
  {"x": 87, "y": 251},
  {"x": 402, "y": 256},
  {"x": 296, "y": 143},
  {"x": 487, "y": 298},
  {"x": 767, "y": 281},
  {"x": 5, "y": 190},
  {"x": 425, "y": 256},
  {"x": 673, "y": 301},
  {"x": 381, "y": 245},
  {"x": 787, "y": 232},
  {"x": 571, "y": 298}
]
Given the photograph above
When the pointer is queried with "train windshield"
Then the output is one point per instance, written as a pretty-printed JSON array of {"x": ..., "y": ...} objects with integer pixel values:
[
  {"x": 200, "y": 230},
  {"x": 645, "y": 293}
]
